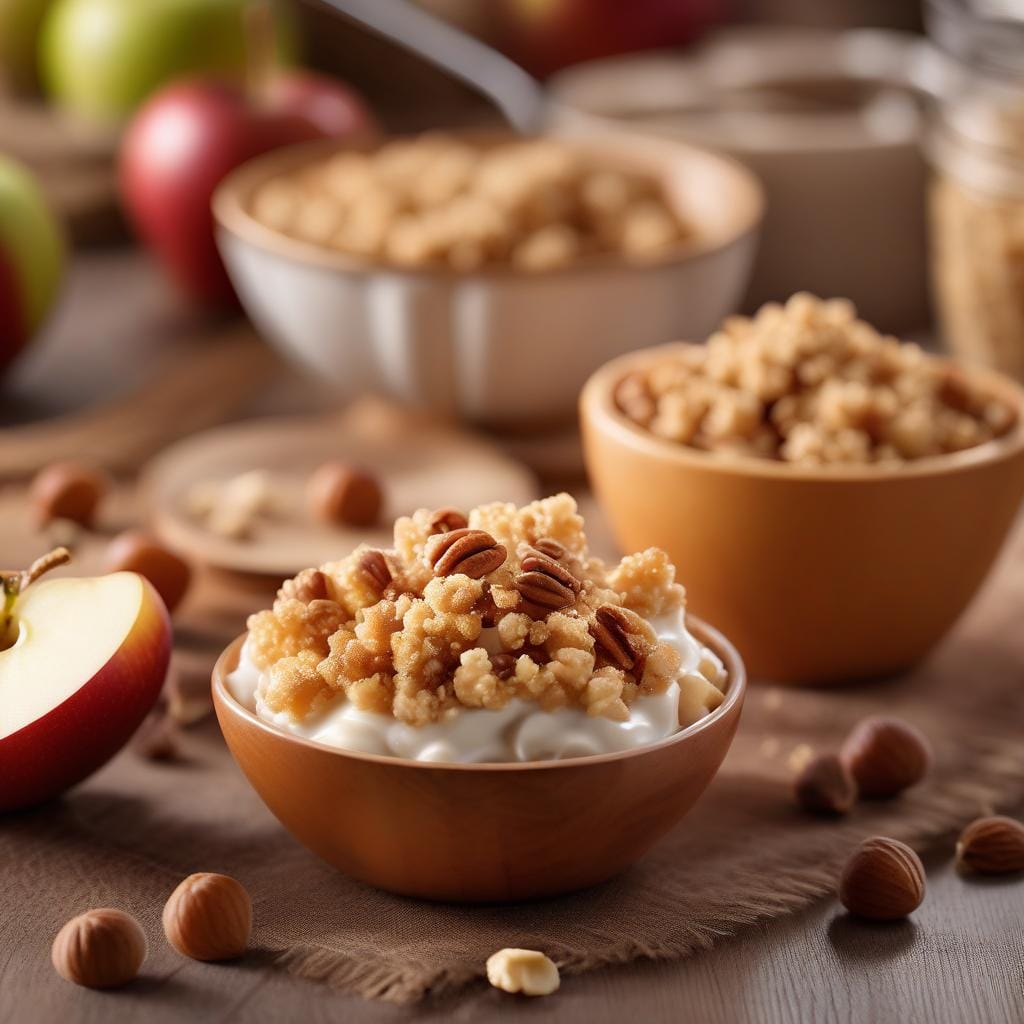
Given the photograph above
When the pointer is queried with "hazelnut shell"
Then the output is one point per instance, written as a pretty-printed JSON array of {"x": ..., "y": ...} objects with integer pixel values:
[
  {"x": 886, "y": 756},
  {"x": 991, "y": 846},
  {"x": 99, "y": 949},
  {"x": 208, "y": 917},
  {"x": 883, "y": 880},
  {"x": 136, "y": 551}
]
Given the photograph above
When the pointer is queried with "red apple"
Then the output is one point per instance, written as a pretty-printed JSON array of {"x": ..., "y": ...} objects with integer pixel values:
[
  {"x": 81, "y": 665},
  {"x": 546, "y": 35},
  {"x": 338, "y": 111},
  {"x": 190, "y": 135}
]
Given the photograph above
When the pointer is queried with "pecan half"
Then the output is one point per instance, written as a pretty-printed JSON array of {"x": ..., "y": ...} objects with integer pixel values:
[
  {"x": 544, "y": 584},
  {"x": 615, "y": 631},
  {"x": 446, "y": 519},
  {"x": 375, "y": 570},
  {"x": 550, "y": 547},
  {"x": 473, "y": 553}
]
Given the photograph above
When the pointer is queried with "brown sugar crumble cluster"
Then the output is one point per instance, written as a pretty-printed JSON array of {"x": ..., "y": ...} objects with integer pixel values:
[
  {"x": 401, "y": 631},
  {"x": 809, "y": 383},
  {"x": 439, "y": 201}
]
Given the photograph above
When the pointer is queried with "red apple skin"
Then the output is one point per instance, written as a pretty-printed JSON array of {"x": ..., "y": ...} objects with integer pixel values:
[
  {"x": 53, "y": 753},
  {"x": 13, "y": 332},
  {"x": 333, "y": 108},
  {"x": 547, "y": 35},
  {"x": 175, "y": 153}
]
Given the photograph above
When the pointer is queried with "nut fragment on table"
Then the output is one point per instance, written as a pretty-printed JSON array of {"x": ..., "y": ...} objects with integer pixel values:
[
  {"x": 99, "y": 949},
  {"x": 67, "y": 490},
  {"x": 208, "y": 917},
  {"x": 883, "y": 880},
  {"x": 886, "y": 756},
  {"x": 525, "y": 971},
  {"x": 438, "y": 201},
  {"x": 232, "y": 508},
  {"x": 991, "y": 846}
]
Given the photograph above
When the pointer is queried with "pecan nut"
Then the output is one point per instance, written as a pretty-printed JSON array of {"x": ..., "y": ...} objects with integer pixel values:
[
  {"x": 472, "y": 553},
  {"x": 545, "y": 584},
  {"x": 446, "y": 519},
  {"x": 550, "y": 547},
  {"x": 375, "y": 570},
  {"x": 615, "y": 631}
]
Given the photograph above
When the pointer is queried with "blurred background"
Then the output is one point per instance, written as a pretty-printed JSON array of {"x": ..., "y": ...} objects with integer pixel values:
[{"x": 847, "y": 111}]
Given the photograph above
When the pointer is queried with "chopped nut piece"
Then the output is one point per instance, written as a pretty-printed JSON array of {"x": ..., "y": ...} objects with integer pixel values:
[
  {"x": 615, "y": 631},
  {"x": 522, "y": 970}
]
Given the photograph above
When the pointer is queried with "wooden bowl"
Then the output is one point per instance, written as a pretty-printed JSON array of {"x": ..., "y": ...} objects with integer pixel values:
[
  {"x": 817, "y": 575},
  {"x": 484, "y": 832},
  {"x": 498, "y": 346}
]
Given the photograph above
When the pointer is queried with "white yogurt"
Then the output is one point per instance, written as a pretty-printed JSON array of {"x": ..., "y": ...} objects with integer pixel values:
[{"x": 520, "y": 731}]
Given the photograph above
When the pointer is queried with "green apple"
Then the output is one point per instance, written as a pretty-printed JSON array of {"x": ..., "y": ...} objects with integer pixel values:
[
  {"x": 102, "y": 58},
  {"x": 20, "y": 21},
  {"x": 31, "y": 258}
]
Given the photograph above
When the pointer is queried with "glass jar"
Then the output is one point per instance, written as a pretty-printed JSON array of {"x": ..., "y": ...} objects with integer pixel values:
[{"x": 976, "y": 148}]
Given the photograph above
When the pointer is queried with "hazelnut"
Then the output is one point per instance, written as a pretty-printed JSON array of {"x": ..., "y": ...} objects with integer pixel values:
[
  {"x": 99, "y": 949},
  {"x": 885, "y": 756},
  {"x": 340, "y": 493},
  {"x": 825, "y": 786},
  {"x": 67, "y": 490},
  {"x": 208, "y": 917},
  {"x": 522, "y": 970},
  {"x": 135, "y": 551},
  {"x": 991, "y": 846},
  {"x": 883, "y": 880}
]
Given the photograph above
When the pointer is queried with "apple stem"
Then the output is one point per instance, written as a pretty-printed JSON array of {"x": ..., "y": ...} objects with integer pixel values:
[
  {"x": 261, "y": 55},
  {"x": 15, "y": 584}
]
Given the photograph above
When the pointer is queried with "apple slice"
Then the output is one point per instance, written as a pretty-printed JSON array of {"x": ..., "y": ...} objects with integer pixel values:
[{"x": 85, "y": 663}]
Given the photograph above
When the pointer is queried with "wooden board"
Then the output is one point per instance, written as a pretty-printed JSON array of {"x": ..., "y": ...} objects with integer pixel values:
[{"x": 420, "y": 463}]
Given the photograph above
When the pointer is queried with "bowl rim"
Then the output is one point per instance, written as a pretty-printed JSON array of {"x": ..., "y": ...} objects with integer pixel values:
[
  {"x": 597, "y": 405},
  {"x": 708, "y": 635},
  {"x": 231, "y": 216}
]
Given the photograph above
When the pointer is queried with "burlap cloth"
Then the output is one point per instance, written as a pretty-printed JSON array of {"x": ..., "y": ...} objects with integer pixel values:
[{"x": 744, "y": 854}]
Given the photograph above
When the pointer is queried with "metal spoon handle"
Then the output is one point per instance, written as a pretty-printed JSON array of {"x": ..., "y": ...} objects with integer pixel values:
[{"x": 516, "y": 94}]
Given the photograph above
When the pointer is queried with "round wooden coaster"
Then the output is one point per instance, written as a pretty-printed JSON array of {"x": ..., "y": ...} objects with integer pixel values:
[{"x": 419, "y": 463}]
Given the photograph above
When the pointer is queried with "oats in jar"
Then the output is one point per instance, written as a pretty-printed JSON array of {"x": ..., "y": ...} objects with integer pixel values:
[{"x": 809, "y": 383}]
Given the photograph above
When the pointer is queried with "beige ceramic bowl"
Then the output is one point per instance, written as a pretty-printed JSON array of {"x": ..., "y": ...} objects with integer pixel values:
[
  {"x": 480, "y": 832},
  {"x": 817, "y": 575},
  {"x": 500, "y": 346}
]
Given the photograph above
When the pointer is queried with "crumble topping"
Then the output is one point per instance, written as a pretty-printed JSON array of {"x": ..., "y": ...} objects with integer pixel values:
[
  {"x": 809, "y": 383},
  {"x": 472, "y": 612}
]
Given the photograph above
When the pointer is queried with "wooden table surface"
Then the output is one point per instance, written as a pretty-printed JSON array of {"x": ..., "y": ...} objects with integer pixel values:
[{"x": 961, "y": 958}]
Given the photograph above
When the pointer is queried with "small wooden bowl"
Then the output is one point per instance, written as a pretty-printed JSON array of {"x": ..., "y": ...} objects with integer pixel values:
[
  {"x": 817, "y": 575},
  {"x": 485, "y": 832}
]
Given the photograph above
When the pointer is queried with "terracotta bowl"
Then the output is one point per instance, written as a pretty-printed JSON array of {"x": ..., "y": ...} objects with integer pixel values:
[
  {"x": 817, "y": 575},
  {"x": 481, "y": 346},
  {"x": 486, "y": 832}
]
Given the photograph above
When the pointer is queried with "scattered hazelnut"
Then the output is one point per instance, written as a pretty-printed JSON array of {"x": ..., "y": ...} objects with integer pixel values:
[
  {"x": 135, "y": 551},
  {"x": 99, "y": 949},
  {"x": 522, "y": 970},
  {"x": 340, "y": 493},
  {"x": 883, "y": 880},
  {"x": 825, "y": 786},
  {"x": 208, "y": 917},
  {"x": 991, "y": 846},
  {"x": 885, "y": 756},
  {"x": 67, "y": 490}
]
